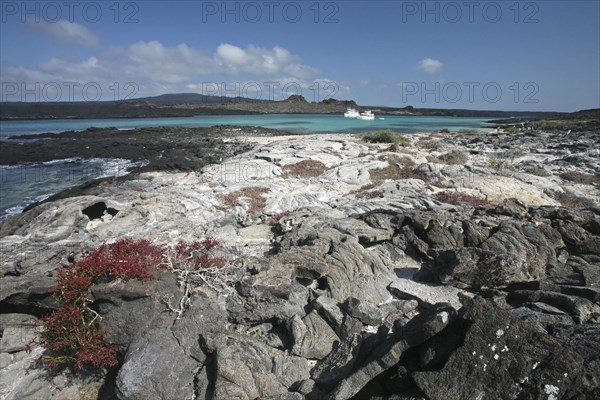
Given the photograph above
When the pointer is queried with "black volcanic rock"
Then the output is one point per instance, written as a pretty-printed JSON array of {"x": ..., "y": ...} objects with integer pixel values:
[
  {"x": 502, "y": 358},
  {"x": 165, "y": 148}
]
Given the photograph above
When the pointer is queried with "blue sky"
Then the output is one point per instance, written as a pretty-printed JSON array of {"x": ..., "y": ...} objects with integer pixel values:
[{"x": 496, "y": 55}]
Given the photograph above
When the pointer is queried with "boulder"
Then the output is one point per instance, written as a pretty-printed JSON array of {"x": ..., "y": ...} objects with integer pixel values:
[
  {"x": 501, "y": 357},
  {"x": 243, "y": 368},
  {"x": 387, "y": 354}
]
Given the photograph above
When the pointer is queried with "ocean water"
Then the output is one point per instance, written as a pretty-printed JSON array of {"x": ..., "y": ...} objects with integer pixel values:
[
  {"x": 21, "y": 185},
  {"x": 297, "y": 123},
  {"x": 27, "y": 183}
]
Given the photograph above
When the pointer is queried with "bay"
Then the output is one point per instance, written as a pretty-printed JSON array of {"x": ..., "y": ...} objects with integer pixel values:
[
  {"x": 27, "y": 183},
  {"x": 296, "y": 123}
]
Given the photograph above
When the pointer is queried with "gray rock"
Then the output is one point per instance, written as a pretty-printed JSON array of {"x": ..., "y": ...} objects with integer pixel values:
[
  {"x": 330, "y": 312},
  {"x": 206, "y": 314},
  {"x": 513, "y": 208},
  {"x": 17, "y": 331},
  {"x": 539, "y": 320},
  {"x": 443, "y": 237},
  {"x": 244, "y": 368},
  {"x": 158, "y": 359},
  {"x": 579, "y": 308},
  {"x": 474, "y": 234},
  {"x": 503, "y": 358},
  {"x": 339, "y": 363},
  {"x": 284, "y": 396},
  {"x": 313, "y": 337},
  {"x": 365, "y": 312},
  {"x": 388, "y": 353},
  {"x": 290, "y": 322},
  {"x": 403, "y": 306}
]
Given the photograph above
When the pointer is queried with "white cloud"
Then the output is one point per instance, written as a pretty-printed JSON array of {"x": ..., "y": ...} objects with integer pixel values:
[
  {"x": 300, "y": 70},
  {"x": 65, "y": 32},
  {"x": 157, "y": 68},
  {"x": 231, "y": 55},
  {"x": 430, "y": 66},
  {"x": 259, "y": 61},
  {"x": 364, "y": 81},
  {"x": 156, "y": 62}
]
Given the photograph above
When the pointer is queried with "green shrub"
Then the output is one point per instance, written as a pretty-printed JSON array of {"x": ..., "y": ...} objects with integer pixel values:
[
  {"x": 535, "y": 170},
  {"x": 395, "y": 159},
  {"x": 549, "y": 125},
  {"x": 504, "y": 160},
  {"x": 511, "y": 129},
  {"x": 395, "y": 172},
  {"x": 499, "y": 163},
  {"x": 386, "y": 136},
  {"x": 453, "y": 157},
  {"x": 392, "y": 171},
  {"x": 431, "y": 145}
]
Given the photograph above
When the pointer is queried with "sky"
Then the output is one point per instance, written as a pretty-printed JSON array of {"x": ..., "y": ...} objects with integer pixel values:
[{"x": 486, "y": 55}]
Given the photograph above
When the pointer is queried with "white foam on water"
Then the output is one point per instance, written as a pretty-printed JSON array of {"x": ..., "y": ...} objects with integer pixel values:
[{"x": 27, "y": 183}]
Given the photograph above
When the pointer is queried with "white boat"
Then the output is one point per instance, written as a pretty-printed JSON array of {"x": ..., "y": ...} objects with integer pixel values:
[
  {"x": 367, "y": 115},
  {"x": 351, "y": 113}
]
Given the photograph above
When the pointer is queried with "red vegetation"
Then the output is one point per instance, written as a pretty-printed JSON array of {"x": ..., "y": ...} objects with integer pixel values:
[
  {"x": 73, "y": 339},
  {"x": 71, "y": 333},
  {"x": 253, "y": 193},
  {"x": 303, "y": 169},
  {"x": 196, "y": 255},
  {"x": 123, "y": 259},
  {"x": 277, "y": 217},
  {"x": 461, "y": 198}
]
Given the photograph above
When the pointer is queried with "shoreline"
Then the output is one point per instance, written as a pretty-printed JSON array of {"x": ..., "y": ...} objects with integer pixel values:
[
  {"x": 12, "y": 111},
  {"x": 335, "y": 249}
]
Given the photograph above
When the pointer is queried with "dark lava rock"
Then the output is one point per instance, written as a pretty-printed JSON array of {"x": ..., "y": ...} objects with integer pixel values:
[
  {"x": 502, "y": 358},
  {"x": 165, "y": 148}
]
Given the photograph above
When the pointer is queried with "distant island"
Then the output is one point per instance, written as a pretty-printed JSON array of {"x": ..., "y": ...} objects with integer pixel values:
[{"x": 192, "y": 104}]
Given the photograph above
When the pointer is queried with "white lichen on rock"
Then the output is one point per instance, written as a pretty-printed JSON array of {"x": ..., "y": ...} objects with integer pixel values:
[{"x": 551, "y": 391}]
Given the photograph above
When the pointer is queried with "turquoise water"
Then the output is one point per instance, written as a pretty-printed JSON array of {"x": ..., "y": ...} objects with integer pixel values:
[
  {"x": 297, "y": 123},
  {"x": 23, "y": 184}
]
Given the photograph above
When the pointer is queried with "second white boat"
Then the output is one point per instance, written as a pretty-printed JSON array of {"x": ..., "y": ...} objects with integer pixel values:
[{"x": 366, "y": 115}]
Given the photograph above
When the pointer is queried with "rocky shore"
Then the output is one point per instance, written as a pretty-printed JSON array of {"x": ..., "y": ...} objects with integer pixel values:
[
  {"x": 192, "y": 104},
  {"x": 451, "y": 267},
  {"x": 164, "y": 148}
]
